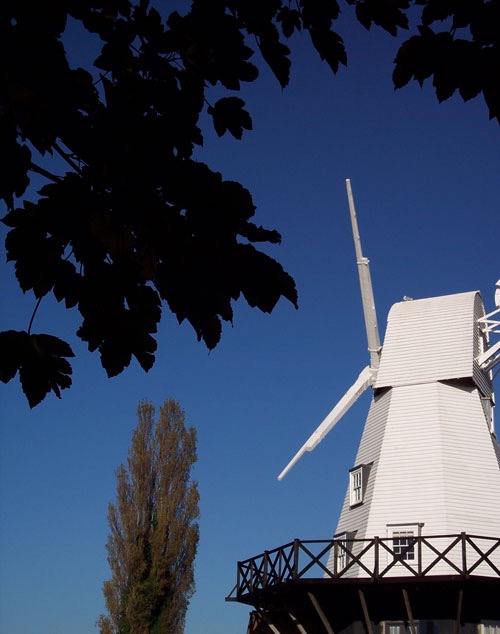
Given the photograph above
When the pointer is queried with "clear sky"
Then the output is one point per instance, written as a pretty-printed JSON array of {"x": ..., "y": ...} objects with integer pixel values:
[{"x": 427, "y": 190}]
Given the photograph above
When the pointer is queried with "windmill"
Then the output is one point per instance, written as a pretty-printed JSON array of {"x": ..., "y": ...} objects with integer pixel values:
[{"x": 417, "y": 546}]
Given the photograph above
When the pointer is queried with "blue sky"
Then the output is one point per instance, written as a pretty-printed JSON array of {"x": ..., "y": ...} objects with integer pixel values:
[{"x": 427, "y": 191}]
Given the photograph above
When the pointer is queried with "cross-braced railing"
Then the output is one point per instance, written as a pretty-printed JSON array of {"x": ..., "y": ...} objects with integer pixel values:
[{"x": 420, "y": 556}]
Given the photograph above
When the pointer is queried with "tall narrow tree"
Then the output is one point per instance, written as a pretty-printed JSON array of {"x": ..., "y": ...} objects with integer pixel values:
[{"x": 153, "y": 528}]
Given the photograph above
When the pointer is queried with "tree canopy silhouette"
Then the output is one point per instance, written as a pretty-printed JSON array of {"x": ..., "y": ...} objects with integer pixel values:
[{"x": 127, "y": 218}]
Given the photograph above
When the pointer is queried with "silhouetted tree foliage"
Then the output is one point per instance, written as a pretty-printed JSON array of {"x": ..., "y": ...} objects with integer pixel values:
[
  {"x": 153, "y": 528},
  {"x": 132, "y": 220}
]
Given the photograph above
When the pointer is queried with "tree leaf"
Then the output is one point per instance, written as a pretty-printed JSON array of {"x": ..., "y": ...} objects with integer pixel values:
[
  {"x": 15, "y": 160},
  {"x": 256, "y": 266},
  {"x": 330, "y": 47},
  {"x": 12, "y": 352},
  {"x": 229, "y": 114},
  {"x": 318, "y": 14},
  {"x": 289, "y": 19},
  {"x": 45, "y": 369},
  {"x": 389, "y": 14},
  {"x": 275, "y": 54},
  {"x": 415, "y": 59},
  {"x": 40, "y": 360},
  {"x": 260, "y": 234},
  {"x": 437, "y": 10}
]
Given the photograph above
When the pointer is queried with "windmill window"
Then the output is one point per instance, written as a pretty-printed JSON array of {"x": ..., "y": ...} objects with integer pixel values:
[
  {"x": 403, "y": 545},
  {"x": 358, "y": 478},
  {"x": 403, "y": 541},
  {"x": 343, "y": 547},
  {"x": 357, "y": 486},
  {"x": 399, "y": 627}
]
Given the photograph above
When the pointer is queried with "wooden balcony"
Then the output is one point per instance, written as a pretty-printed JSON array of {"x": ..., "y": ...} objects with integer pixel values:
[
  {"x": 338, "y": 582},
  {"x": 459, "y": 555}
]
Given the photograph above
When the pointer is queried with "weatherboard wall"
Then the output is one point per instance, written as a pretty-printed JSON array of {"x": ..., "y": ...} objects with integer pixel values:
[
  {"x": 434, "y": 466},
  {"x": 430, "y": 340},
  {"x": 355, "y": 520},
  {"x": 437, "y": 464}
]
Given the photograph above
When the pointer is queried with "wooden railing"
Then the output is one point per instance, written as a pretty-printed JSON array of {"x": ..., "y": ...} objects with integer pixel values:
[{"x": 463, "y": 555}]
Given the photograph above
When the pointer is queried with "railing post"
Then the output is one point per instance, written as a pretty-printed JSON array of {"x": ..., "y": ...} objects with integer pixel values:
[
  {"x": 296, "y": 543},
  {"x": 419, "y": 554},
  {"x": 464, "y": 554},
  {"x": 376, "y": 543},
  {"x": 266, "y": 562}
]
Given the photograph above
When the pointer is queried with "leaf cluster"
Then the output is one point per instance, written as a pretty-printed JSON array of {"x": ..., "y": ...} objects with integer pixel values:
[
  {"x": 463, "y": 56},
  {"x": 134, "y": 221},
  {"x": 131, "y": 221}
]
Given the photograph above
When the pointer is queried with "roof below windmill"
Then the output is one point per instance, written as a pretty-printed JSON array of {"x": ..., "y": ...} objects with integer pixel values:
[{"x": 434, "y": 339}]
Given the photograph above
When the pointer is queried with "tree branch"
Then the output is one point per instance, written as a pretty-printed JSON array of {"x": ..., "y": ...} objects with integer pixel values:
[
  {"x": 33, "y": 314},
  {"x": 67, "y": 158},
  {"x": 39, "y": 170}
]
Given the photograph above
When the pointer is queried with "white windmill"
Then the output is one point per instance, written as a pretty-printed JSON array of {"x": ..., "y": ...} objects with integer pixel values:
[
  {"x": 428, "y": 461},
  {"x": 418, "y": 541}
]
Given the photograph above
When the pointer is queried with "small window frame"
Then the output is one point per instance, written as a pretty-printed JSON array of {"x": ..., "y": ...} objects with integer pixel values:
[
  {"x": 358, "y": 478},
  {"x": 343, "y": 544},
  {"x": 404, "y": 554},
  {"x": 400, "y": 627},
  {"x": 403, "y": 545}
]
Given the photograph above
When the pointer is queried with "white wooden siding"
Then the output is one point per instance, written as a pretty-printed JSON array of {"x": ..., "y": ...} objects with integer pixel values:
[
  {"x": 429, "y": 340},
  {"x": 496, "y": 447},
  {"x": 437, "y": 464},
  {"x": 356, "y": 519},
  {"x": 433, "y": 464}
]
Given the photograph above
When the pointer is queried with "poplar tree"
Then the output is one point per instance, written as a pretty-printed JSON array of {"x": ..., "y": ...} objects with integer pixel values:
[{"x": 153, "y": 528}]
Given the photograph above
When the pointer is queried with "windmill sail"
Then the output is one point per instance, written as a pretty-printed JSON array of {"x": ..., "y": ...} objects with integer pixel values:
[
  {"x": 364, "y": 380},
  {"x": 368, "y": 375},
  {"x": 366, "y": 287}
]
